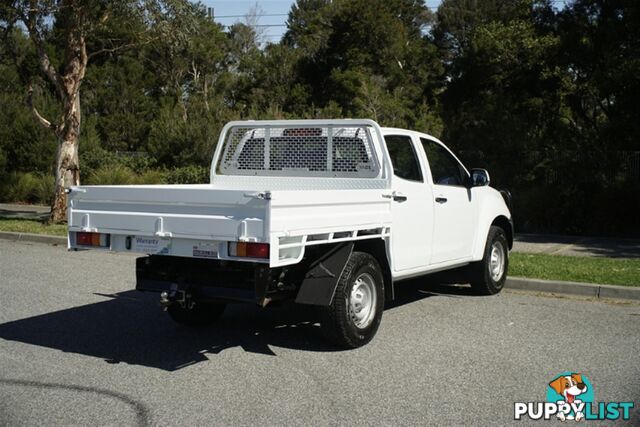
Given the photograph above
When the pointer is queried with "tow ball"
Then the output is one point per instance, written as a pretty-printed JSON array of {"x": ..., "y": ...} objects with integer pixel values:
[{"x": 175, "y": 295}]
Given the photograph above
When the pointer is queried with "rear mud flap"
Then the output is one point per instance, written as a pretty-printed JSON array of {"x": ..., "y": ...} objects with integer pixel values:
[{"x": 320, "y": 282}]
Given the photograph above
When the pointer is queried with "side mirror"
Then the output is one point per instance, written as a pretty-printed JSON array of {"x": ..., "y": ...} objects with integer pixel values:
[{"x": 479, "y": 177}]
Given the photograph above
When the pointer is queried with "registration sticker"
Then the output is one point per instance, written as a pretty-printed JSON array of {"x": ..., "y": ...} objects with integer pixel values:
[
  {"x": 152, "y": 245},
  {"x": 205, "y": 250}
]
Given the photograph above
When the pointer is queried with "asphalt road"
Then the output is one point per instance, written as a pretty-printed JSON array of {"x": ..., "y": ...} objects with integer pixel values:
[{"x": 79, "y": 346}]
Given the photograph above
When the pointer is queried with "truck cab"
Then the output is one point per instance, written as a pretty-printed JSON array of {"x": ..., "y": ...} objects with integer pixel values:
[{"x": 439, "y": 212}]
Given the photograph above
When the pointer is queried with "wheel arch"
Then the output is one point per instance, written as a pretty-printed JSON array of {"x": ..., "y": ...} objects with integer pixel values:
[
  {"x": 499, "y": 220},
  {"x": 506, "y": 225},
  {"x": 378, "y": 249}
]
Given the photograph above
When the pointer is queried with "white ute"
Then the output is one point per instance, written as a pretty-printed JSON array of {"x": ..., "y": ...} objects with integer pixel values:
[{"x": 331, "y": 213}]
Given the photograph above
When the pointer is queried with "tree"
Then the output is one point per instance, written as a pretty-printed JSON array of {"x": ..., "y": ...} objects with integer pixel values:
[
  {"x": 600, "y": 52},
  {"x": 25, "y": 146},
  {"x": 365, "y": 58},
  {"x": 65, "y": 77},
  {"x": 60, "y": 32},
  {"x": 457, "y": 21}
]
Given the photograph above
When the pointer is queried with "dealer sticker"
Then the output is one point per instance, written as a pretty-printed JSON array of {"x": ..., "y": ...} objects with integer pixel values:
[
  {"x": 205, "y": 250},
  {"x": 152, "y": 245}
]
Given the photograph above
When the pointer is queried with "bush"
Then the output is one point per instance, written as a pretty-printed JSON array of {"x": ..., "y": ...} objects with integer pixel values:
[
  {"x": 188, "y": 175},
  {"x": 27, "y": 188},
  {"x": 96, "y": 158},
  {"x": 114, "y": 175},
  {"x": 122, "y": 175},
  {"x": 19, "y": 187},
  {"x": 152, "y": 177},
  {"x": 45, "y": 189}
]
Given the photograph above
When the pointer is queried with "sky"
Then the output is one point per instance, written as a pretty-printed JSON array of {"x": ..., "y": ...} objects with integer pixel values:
[{"x": 273, "y": 13}]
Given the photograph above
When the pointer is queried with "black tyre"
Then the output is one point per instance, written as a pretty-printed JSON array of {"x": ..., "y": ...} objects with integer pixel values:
[
  {"x": 488, "y": 276},
  {"x": 355, "y": 313},
  {"x": 201, "y": 314}
]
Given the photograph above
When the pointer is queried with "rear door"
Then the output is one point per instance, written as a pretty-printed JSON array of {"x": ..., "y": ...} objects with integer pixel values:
[
  {"x": 454, "y": 207},
  {"x": 412, "y": 206}
]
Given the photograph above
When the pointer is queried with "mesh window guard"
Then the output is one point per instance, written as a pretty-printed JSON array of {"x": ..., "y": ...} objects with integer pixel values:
[{"x": 329, "y": 151}]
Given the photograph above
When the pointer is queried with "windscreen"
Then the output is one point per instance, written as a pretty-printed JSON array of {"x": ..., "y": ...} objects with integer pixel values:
[{"x": 299, "y": 151}]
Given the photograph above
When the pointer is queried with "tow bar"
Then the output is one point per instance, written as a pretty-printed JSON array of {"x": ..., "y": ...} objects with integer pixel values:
[{"x": 175, "y": 295}]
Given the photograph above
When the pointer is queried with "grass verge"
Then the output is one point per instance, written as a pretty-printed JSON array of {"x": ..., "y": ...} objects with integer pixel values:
[
  {"x": 32, "y": 226},
  {"x": 606, "y": 271}
]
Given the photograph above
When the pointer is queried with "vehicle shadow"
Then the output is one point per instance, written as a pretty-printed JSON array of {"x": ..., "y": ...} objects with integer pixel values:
[
  {"x": 130, "y": 327},
  {"x": 441, "y": 285}
]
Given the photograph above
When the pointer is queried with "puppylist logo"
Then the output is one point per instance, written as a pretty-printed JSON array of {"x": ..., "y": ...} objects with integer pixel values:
[{"x": 570, "y": 397}]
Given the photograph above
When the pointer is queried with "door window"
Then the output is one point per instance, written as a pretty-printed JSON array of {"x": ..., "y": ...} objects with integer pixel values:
[
  {"x": 445, "y": 169},
  {"x": 403, "y": 156}
]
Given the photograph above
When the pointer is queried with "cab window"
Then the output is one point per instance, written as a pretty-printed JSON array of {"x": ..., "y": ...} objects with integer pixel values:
[
  {"x": 403, "y": 157},
  {"x": 445, "y": 169}
]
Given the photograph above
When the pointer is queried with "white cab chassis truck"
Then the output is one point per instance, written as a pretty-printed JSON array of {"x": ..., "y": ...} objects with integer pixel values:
[{"x": 331, "y": 213}]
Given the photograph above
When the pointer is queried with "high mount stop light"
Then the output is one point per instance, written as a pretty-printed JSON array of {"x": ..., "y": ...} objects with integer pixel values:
[{"x": 249, "y": 250}]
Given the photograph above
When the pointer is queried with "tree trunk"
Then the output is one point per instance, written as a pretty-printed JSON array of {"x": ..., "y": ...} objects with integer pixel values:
[
  {"x": 67, "y": 175},
  {"x": 67, "y": 161}
]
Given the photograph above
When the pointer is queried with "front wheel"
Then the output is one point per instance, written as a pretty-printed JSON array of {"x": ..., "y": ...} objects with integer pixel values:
[
  {"x": 355, "y": 313},
  {"x": 201, "y": 314},
  {"x": 488, "y": 276}
]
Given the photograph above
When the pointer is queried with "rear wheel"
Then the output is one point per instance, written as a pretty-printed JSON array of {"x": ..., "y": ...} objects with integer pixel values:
[
  {"x": 488, "y": 276},
  {"x": 355, "y": 313},
  {"x": 201, "y": 314}
]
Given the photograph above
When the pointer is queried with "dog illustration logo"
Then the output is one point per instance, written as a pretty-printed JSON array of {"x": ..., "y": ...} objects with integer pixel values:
[
  {"x": 570, "y": 396},
  {"x": 570, "y": 386}
]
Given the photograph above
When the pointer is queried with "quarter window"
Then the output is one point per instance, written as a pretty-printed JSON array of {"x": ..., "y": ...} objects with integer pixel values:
[
  {"x": 403, "y": 156},
  {"x": 445, "y": 169}
]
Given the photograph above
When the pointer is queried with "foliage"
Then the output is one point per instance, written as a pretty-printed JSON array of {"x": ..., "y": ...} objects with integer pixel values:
[
  {"x": 112, "y": 175},
  {"x": 27, "y": 187},
  {"x": 527, "y": 90},
  {"x": 542, "y": 94},
  {"x": 188, "y": 175}
]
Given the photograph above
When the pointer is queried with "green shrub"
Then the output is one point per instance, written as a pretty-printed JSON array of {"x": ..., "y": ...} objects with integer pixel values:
[
  {"x": 151, "y": 177},
  {"x": 188, "y": 175},
  {"x": 114, "y": 175},
  {"x": 21, "y": 187},
  {"x": 27, "y": 187},
  {"x": 122, "y": 175},
  {"x": 45, "y": 189},
  {"x": 95, "y": 158}
]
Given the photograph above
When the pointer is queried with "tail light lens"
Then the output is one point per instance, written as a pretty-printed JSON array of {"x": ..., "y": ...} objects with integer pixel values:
[
  {"x": 92, "y": 239},
  {"x": 249, "y": 250}
]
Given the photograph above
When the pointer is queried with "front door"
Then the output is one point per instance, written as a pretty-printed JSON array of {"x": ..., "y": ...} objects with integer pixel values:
[
  {"x": 411, "y": 208},
  {"x": 454, "y": 207}
]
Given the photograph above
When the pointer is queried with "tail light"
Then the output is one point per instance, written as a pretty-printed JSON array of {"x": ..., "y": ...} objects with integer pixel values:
[
  {"x": 92, "y": 239},
  {"x": 249, "y": 250}
]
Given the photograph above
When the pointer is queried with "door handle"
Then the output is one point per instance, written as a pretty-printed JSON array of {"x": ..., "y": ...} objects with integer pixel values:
[
  {"x": 396, "y": 196},
  {"x": 441, "y": 199},
  {"x": 399, "y": 197}
]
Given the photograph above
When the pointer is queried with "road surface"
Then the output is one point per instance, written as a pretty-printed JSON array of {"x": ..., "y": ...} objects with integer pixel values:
[{"x": 79, "y": 346}]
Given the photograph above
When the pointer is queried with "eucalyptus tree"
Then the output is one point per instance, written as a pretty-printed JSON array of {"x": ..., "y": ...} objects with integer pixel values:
[{"x": 65, "y": 35}]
